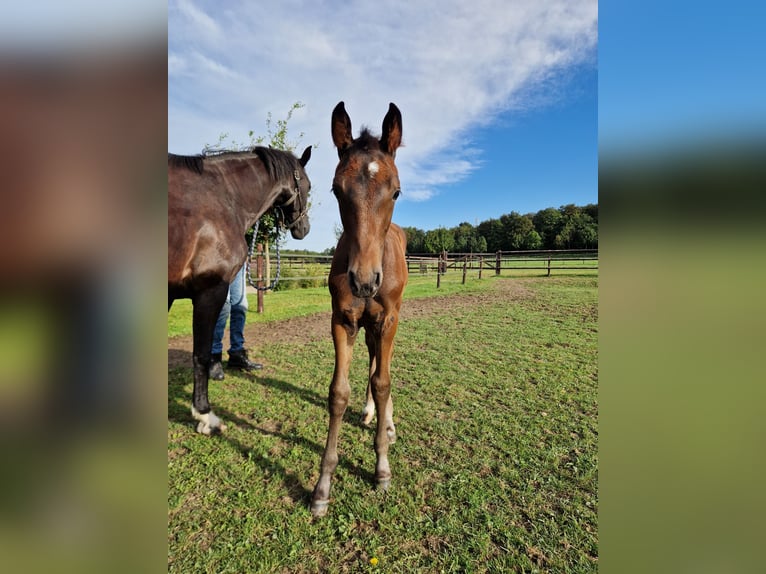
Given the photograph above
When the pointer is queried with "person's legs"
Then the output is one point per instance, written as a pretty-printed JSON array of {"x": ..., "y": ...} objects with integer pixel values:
[
  {"x": 237, "y": 353},
  {"x": 220, "y": 326},
  {"x": 216, "y": 367},
  {"x": 238, "y": 305}
]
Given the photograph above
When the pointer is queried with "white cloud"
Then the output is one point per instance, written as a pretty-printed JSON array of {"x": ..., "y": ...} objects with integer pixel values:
[
  {"x": 176, "y": 64},
  {"x": 201, "y": 21},
  {"x": 210, "y": 65},
  {"x": 449, "y": 65}
]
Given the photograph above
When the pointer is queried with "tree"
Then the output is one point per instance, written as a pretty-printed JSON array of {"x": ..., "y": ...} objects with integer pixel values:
[
  {"x": 438, "y": 240},
  {"x": 592, "y": 210},
  {"x": 477, "y": 244},
  {"x": 416, "y": 240},
  {"x": 519, "y": 232},
  {"x": 533, "y": 240},
  {"x": 468, "y": 239},
  {"x": 578, "y": 232},
  {"x": 492, "y": 232},
  {"x": 548, "y": 223},
  {"x": 568, "y": 227}
]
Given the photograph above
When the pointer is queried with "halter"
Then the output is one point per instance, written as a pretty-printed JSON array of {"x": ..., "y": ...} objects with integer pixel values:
[{"x": 296, "y": 196}]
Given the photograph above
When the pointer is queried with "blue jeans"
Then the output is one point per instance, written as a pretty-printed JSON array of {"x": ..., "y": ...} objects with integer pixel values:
[{"x": 236, "y": 307}]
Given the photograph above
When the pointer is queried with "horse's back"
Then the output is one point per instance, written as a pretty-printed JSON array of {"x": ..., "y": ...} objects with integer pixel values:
[{"x": 203, "y": 245}]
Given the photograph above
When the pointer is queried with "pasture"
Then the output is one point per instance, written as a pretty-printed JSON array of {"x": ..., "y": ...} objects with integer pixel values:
[{"x": 496, "y": 463}]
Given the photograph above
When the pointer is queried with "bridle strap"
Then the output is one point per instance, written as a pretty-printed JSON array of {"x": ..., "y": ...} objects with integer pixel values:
[{"x": 293, "y": 198}]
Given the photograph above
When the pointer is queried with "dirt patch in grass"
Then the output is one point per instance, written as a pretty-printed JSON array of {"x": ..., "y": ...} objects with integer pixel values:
[{"x": 301, "y": 330}]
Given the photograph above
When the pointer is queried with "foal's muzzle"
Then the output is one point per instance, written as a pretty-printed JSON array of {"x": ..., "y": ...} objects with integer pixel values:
[{"x": 365, "y": 285}]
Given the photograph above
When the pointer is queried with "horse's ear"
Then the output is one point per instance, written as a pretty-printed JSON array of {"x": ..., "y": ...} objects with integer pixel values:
[
  {"x": 305, "y": 157},
  {"x": 341, "y": 128},
  {"x": 392, "y": 130}
]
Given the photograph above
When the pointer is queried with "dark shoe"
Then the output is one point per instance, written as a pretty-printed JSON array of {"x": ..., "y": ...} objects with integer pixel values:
[
  {"x": 215, "y": 371},
  {"x": 239, "y": 360}
]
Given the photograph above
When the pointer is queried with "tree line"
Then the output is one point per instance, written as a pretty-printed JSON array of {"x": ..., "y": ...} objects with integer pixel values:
[{"x": 568, "y": 227}]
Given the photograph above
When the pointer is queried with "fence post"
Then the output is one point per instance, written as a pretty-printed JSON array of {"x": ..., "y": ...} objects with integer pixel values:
[
  {"x": 465, "y": 266},
  {"x": 268, "y": 263},
  {"x": 481, "y": 264},
  {"x": 259, "y": 272},
  {"x": 497, "y": 263},
  {"x": 439, "y": 271},
  {"x": 549, "y": 265}
]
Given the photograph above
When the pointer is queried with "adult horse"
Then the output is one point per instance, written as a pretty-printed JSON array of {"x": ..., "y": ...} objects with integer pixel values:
[
  {"x": 212, "y": 202},
  {"x": 367, "y": 278}
]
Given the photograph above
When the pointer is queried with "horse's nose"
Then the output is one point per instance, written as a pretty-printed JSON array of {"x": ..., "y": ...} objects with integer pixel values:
[{"x": 365, "y": 288}]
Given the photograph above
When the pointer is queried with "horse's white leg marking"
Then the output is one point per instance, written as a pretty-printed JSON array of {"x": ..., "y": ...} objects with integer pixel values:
[
  {"x": 390, "y": 428},
  {"x": 208, "y": 423},
  {"x": 369, "y": 411}
]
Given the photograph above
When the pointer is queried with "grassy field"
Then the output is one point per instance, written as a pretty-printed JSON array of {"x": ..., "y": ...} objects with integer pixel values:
[
  {"x": 280, "y": 305},
  {"x": 494, "y": 469}
]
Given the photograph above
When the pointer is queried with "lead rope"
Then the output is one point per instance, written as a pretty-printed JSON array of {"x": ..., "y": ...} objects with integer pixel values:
[{"x": 251, "y": 248}]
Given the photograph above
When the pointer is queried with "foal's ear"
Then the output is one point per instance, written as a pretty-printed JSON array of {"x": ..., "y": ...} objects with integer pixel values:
[
  {"x": 341, "y": 128},
  {"x": 305, "y": 157},
  {"x": 392, "y": 130}
]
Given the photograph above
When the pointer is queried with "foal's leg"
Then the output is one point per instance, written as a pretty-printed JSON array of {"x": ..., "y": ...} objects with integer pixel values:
[
  {"x": 207, "y": 306},
  {"x": 337, "y": 402},
  {"x": 381, "y": 391},
  {"x": 369, "y": 407}
]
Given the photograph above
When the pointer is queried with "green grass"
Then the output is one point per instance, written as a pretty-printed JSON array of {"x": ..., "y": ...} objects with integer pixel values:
[
  {"x": 494, "y": 470},
  {"x": 280, "y": 305}
]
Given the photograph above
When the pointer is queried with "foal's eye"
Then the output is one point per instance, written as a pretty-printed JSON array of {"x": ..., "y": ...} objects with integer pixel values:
[{"x": 397, "y": 193}]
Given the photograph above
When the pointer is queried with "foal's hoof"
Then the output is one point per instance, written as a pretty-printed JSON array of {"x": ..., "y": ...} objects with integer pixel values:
[
  {"x": 384, "y": 484},
  {"x": 319, "y": 508}
]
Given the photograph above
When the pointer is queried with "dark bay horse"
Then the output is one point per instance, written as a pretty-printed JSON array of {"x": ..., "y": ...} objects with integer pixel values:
[
  {"x": 212, "y": 202},
  {"x": 367, "y": 279}
]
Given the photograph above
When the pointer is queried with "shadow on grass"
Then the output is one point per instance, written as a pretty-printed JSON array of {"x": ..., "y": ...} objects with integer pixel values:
[
  {"x": 179, "y": 405},
  {"x": 181, "y": 359}
]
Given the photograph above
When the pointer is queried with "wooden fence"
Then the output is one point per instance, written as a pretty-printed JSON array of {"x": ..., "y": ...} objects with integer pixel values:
[
  {"x": 542, "y": 260},
  {"x": 307, "y": 270}
]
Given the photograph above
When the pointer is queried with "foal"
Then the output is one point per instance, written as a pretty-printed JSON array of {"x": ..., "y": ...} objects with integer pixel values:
[{"x": 367, "y": 279}]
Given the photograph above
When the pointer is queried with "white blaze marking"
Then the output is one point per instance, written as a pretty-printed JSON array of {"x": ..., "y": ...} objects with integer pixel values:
[{"x": 373, "y": 167}]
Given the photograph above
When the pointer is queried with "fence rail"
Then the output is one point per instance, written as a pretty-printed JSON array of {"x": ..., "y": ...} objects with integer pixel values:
[
  {"x": 549, "y": 261},
  {"x": 308, "y": 270}
]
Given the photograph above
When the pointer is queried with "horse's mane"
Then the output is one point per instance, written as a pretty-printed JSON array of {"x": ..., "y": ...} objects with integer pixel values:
[
  {"x": 194, "y": 163},
  {"x": 366, "y": 141},
  {"x": 280, "y": 164}
]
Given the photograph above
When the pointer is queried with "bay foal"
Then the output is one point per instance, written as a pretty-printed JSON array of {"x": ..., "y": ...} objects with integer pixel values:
[{"x": 367, "y": 279}]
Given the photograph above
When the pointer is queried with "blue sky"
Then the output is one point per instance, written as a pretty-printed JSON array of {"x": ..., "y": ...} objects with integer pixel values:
[
  {"x": 545, "y": 157},
  {"x": 677, "y": 74},
  {"x": 499, "y": 99}
]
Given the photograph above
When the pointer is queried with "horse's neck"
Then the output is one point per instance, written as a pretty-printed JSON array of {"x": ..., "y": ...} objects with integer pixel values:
[{"x": 251, "y": 188}]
